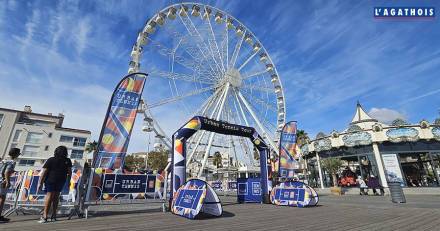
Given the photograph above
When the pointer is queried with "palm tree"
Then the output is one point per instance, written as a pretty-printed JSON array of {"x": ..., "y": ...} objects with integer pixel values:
[
  {"x": 91, "y": 146},
  {"x": 302, "y": 137},
  {"x": 256, "y": 154},
  {"x": 332, "y": 166},
  {"x": 217, "y": 161}
]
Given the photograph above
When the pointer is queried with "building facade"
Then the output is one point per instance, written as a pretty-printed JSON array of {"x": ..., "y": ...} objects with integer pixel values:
[
  {"x": 402, "y": 152},
  {"x": 37, "y": 136}
]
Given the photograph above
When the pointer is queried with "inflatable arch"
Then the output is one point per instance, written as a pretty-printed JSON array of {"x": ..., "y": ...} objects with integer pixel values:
[{"x": 178, "y": 173}]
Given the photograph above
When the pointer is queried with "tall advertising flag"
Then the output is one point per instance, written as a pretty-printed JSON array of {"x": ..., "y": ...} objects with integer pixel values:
[
  {"x": 288, "y": 151},
  {"x": 119, "y": 121}
]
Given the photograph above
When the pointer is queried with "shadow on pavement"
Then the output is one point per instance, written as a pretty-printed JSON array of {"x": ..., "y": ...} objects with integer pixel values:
[
  {"x": 225, "y": 214},
  {"x": 93, "y": 214},
  {"x": 229, "y": 203}
]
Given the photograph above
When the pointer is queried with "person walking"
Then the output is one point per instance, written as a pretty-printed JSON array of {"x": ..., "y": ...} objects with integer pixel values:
[
  {"x": 6, "y": 169},
  {"x": 56, "y": 172},
  {"x": 374, "y": 184},
  {"x": 362, "y": 186}
]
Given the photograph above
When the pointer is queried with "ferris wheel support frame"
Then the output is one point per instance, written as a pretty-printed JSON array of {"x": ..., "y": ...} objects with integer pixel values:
[
  {"x": 269, "y": 139},
  {"x": 211, "y": 137},
  {"x": 241, "y": 109},
  {"x": 203, "y": 132}
]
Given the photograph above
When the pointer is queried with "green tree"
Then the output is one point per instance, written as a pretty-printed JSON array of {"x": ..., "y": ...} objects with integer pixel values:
[
  {"x": 132, "y": 162},
  {"x": 302, "y": 137},
  {"x": 256, "y": 154},
  {"x": 332, "y": 165},
  {"x": 157, "y": 160},
  {"x": 217, "y": 161},
  {"x": 91, "y": 146}
]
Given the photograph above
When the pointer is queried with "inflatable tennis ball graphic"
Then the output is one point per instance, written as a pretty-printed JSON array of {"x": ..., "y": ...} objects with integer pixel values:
[
  {"x": 108, "y": 139},
  {"x": 98, "y": 171}
]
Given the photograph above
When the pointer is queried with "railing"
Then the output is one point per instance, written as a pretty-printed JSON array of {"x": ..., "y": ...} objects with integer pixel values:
[{"x": 88, "y": 188}]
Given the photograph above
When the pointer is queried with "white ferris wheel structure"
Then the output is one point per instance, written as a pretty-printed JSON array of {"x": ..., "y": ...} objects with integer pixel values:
[{"x": 203, "y": 61}]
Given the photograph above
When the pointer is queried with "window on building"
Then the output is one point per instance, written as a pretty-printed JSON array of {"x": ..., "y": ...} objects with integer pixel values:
[
  {"x": 41, "y": 123},
  {"x": 79, "y": 142},
  {"x": 66, "y": 138},
  {"x": 30, "y": 150},
  {"x": 26, "y": 162},
  {"x": 34, "y": 138},
  {"x": 418, "y": 169},
  {"x": 46, "y": 148},
  {"x": 17, "y": 135},
  {"x": 49, "y": 135},
  {"x": 76, "y": 154}
]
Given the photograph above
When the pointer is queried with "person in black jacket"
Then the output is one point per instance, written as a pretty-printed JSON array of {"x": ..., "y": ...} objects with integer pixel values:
[{"x": 56, "y": 172}]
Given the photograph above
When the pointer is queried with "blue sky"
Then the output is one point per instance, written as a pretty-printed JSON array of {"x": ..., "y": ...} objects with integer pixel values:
[{"x": 67, "y": 56}]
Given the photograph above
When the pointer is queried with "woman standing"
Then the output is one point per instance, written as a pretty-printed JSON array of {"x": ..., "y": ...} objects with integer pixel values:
[{"x": 56, "y": 172}]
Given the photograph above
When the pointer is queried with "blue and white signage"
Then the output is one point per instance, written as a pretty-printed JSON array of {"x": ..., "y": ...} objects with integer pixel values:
[
  {"x": 249, "y": 190},
  {"x": 193, "y": 197},
  {"x": 126, "y": 184},
  {"x": 232, "y": 185},
  {"x": 294, "y": 193}
]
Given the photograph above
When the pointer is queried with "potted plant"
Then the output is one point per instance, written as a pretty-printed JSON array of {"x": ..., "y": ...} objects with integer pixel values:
[{"x": 332, "y": 165}]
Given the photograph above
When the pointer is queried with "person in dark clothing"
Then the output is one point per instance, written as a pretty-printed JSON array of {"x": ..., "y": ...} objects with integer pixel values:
[
  {"x": 373, "y": 183},
  {"x": 56, "y": 172}
]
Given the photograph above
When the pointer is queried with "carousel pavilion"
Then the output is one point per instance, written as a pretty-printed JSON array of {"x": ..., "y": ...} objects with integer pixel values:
[{"x": 407, "y": 153}]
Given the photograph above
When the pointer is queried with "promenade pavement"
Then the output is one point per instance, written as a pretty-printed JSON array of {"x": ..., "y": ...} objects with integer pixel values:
[{"x": 348, "y": 212}]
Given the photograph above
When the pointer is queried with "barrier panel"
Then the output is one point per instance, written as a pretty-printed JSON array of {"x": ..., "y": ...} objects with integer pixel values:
[
  {"x": 30, "y": 193},
  {"x": 108, "y": 186},
  {"x": 249, "y": 190},
  {"x": 224, "y": 186},
  {"x": 24, "y": 193},
  {"x": 195, "y": 197},
  {"x": 13, "y": 191},
  {"x": 294, "y": 193},
  {"x": 217, "y": 185},
  {"x": 232, "y": 185}
]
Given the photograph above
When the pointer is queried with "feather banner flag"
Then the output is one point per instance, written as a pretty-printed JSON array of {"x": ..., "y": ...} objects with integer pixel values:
[
  {"x": 288, "y": 151},
  {"x": 119, "y": 121}
]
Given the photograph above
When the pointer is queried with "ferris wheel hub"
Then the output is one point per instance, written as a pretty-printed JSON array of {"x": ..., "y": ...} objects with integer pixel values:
[{"x": 233, "y": 76}]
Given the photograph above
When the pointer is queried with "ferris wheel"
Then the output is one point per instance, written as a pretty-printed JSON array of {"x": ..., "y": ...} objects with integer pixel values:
[{"x": 203, "y": 61}]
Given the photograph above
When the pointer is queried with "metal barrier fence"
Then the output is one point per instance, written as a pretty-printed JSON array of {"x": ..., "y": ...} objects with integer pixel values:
[
  {"x": 92, "y": 187},
  {"x": 228, "y": 186},
  {"x": 24, "y": 193},
  {"x": 106, "y": 187}
]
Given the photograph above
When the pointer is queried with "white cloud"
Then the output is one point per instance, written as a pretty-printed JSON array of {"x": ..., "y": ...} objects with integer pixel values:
[
  {"x": 386, "y": 115},
  {"x": 30, "y": 27},
  {"x": 421, "y": 96},
  {"x": 81, "y": 35}
]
